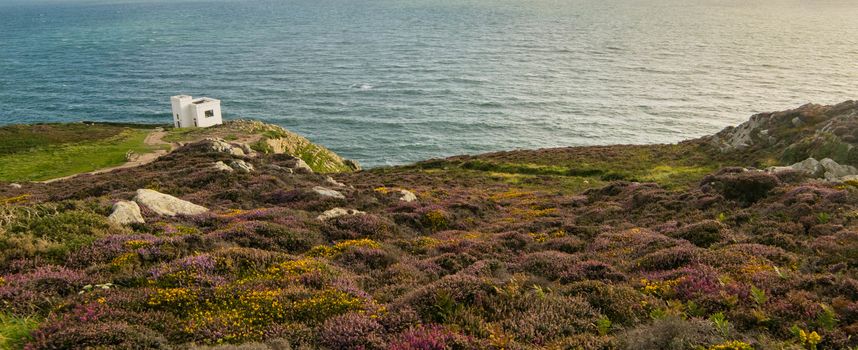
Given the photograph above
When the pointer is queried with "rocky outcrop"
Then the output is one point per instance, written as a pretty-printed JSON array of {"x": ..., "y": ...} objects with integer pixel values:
[
  {"x": 221, "y": 146},
  {"x": 221, "y": 166},
  {"x": 810, "y": 131},
  {"x": 338, "y": 212},
  {"x": 327, "y": 192},
  {"x": 827, "y": 169},
  {"x": 167, "y": 205},
  {"x": 126, "y": 213},
  {"x": 241, "y": 166}
]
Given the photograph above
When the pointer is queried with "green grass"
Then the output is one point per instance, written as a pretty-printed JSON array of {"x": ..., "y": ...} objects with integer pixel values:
[
  {"x": 15, "y": 331},
  {"x": 182, "y": 134},
  {"x": 675, "y": 167},
  {"x": 22, "y": 138},
  {"x": 67, "y": 149}
]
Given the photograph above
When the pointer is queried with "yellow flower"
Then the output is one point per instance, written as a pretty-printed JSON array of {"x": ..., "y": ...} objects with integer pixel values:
[
  {"x": 814, "y": 338},
  {"x": 732, "y": 345},
  {"x": 339, "y": 248}
]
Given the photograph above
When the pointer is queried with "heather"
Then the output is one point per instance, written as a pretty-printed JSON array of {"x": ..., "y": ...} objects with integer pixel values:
[{"x": 486, "y": 257}]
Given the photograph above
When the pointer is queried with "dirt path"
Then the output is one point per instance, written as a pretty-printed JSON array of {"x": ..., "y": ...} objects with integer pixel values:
[{"x": 155, "y": 138}]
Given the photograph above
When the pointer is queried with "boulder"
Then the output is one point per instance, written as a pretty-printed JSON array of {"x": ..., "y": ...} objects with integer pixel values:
[
  {"x": 407, "y": 196},
  {"x": 125, "y": 213},
  {"x": 246, "y": 149},
  {"x": 221, "y": 166},
  {"x": 327, "y": 192},
  {"x": 337, "y": 212},
  {"x": 15, "y": 185},
  {"x": 301, "y": 165},
  {"x": 827, "y": 168},
  {"x": 167, "y": 205},
  {"x": 222, "y": 146},
  {"x": 810, "y": 166},
  {"x": 834, "y": 171},
  {"x": 331, "y": 181},
  {"x": 241, "y": 166}
]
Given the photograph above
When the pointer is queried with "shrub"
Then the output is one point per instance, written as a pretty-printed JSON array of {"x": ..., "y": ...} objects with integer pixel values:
[
  {"x": 551, "y": 265},
  {"x": 365, "y": 259},
  {"x": 66, "y": 231},
  {"x": 196, "y": 270},
  {"x": 434, "y": 219},
  {"x": 670, "y": 333},
  {"x": 453, "y": 290},
  {"x": 324, "y": 305},
  {"x": 622, "y": 304},
  {"x": 592, "y": 270},
  {"x": 358, "y": 226},
  {"x": 536, "y": 317},
  {"x": 336, "y": 250},
  {"x": 669, "y": 258},
  {"x": 352, "y": 331},
  {"x": 269, "y": 236},
  {"x": 70, "y": 334},
  {"x": 431, "y": 337},
  {"x": 40, "y": 289},
  {"x": 737, "y": 184},
  {"x": 702, "y": 234}
]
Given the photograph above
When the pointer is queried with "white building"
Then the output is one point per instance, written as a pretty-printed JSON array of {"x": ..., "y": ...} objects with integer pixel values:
[{"x": 189, "y": 112}]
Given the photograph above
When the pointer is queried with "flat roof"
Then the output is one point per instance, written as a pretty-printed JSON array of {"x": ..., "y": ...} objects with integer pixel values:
[{"x": 202, "y": 100}]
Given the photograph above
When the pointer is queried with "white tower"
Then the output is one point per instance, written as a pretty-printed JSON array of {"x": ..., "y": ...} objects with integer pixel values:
[{"x": 189, "y": 112}]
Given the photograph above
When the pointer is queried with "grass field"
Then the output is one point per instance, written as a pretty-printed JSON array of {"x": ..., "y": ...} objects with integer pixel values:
[{"x": 47, "y": 151}]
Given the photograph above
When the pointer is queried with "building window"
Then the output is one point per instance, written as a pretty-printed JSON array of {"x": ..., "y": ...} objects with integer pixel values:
[{"x": 210, "y": 113}]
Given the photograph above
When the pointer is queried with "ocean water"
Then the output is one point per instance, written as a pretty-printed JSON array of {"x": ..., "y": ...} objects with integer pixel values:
[{"x": 395, "y": 81}]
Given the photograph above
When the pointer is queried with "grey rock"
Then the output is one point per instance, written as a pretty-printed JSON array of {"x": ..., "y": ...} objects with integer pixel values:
[
  {"x": 407, "y": 196},
  {"x": 125, "y": 213},
  {"x": 301, "y": 165},
  {"x": 223, "y": 167},
  {"x": 222, "y": 146},
  {"x": 331, "y": 181},
  {"x": 827, "y": 169},
  {"x": 834, "y": 171},
  {"x": 167, "y": 205},
  {"x": 810, "y": 166},
  {"x": 15, "y": 185},
  {"x": 327, "y": 192},
  {"x": 797, "y": 122},
  {"x": 241, "y": 165},
  {"x": 246, "y": 149},
  {"x": 337, "y": 212}
]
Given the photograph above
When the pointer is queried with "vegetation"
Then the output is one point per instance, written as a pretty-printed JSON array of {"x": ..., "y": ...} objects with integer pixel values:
[
  {"x": 550, "y": 249},
  {"x": 46, "y": 151},
  {"x": 268, "y": 139}
]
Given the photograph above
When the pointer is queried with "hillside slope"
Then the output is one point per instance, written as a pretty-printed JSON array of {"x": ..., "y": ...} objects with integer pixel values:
[{"x": 618, "y": 247}]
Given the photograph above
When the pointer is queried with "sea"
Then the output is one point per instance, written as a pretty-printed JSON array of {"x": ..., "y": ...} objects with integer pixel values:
[{"x": 389, "y": 82}]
